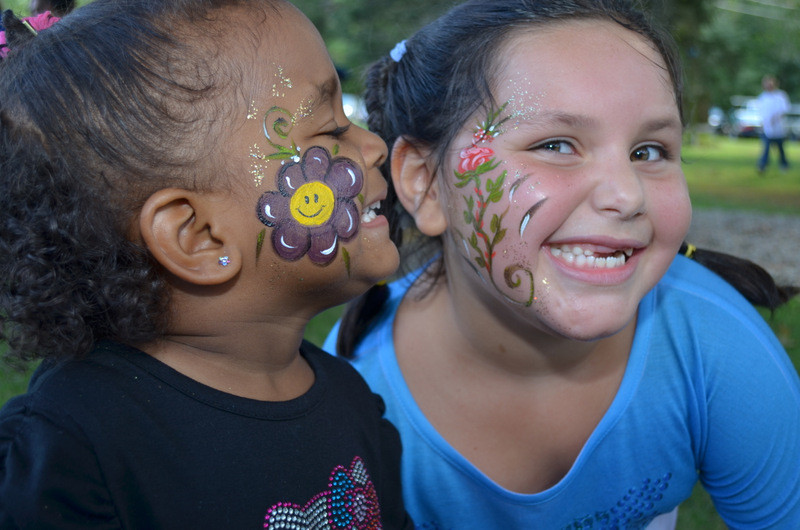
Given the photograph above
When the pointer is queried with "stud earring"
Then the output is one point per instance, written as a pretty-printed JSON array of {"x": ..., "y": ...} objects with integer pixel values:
[{"x": 224, "y": 261}]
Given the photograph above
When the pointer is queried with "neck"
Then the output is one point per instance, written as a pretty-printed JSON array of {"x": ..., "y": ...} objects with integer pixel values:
[
  {"x": 256, "y": 359},
  {"x": 496, "y": 341}
]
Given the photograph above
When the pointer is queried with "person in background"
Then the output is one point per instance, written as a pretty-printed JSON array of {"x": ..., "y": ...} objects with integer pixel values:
[
  {"x": 554, "y": 356},
  {"x": 58, "y": 8},
  {"x": 773, "y": 104},
  {"x": 181, "y": 193}
]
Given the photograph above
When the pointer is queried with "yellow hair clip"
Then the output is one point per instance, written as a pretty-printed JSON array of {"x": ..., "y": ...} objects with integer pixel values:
[
  {"x": 30, "y": 28},
  {"x": 689, "y": 250}
]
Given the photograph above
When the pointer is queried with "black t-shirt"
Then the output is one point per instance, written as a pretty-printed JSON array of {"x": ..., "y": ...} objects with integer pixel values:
[{"x": 121, "y": 440}]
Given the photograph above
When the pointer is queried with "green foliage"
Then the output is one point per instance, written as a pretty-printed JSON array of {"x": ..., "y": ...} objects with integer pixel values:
[
  {"x": 726, "y": 45},
  {"x": 358, "y": 32},
  {"x": 721, "y": 173}
]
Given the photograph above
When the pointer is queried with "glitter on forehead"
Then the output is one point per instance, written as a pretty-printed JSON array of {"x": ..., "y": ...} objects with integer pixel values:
[
  {"x": 278, "y": 88},
  {"x": 305, "y": 108},
  {"x": 524, "y": 103},
  {"x": 252, "y": 111}
]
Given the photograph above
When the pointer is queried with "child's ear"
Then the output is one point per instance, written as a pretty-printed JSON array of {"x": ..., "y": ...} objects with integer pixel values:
[
  {"x": 412, "y": 174},
  {"x": 186, "y": 236}
]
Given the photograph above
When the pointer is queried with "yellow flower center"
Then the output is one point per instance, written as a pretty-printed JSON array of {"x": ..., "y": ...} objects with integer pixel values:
[{"x": 312, "y": 204}]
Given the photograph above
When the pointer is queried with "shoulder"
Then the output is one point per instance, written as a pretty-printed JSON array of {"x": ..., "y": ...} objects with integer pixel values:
[
  {"x": 696, "y": 314},
  {"x": 337, "y": 375},
  {"x": 691, "y": 286},
  {"x": 383, "y": 321},
  {"x": 322, "y": 361}
]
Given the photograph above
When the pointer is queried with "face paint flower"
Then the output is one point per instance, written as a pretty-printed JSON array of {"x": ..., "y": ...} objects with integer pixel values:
[
  {"x": 473, "y": 157},
  {"x": 313, "y": 208}
]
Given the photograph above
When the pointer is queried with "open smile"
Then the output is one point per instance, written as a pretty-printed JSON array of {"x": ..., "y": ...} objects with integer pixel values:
[
  {"x": 370, "y": 212},
  {"x": 577, "y": 256}
]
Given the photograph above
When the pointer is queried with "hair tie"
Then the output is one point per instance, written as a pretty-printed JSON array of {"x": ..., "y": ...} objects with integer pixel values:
[
  {"x": 689, "y": 250},
  {"x": 398, "y": 51}
]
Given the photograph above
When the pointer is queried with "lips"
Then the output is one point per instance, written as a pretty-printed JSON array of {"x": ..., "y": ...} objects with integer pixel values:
[{"x": 585, "y": 258}]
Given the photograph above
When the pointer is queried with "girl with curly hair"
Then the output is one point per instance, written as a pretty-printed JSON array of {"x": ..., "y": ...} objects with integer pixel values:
[{"x": 181, "y": 193}]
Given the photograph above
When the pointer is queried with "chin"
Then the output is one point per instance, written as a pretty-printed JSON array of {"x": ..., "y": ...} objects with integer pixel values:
[{"x": 587, "y": 324}]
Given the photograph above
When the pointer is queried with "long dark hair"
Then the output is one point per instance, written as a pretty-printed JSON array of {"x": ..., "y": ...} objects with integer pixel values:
[
  {"x": 445, "y": 76},
  {"x": 110, "y": 104}
]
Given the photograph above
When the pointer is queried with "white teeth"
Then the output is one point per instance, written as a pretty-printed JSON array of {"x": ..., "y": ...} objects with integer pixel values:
[
  {"x": 369, "y": 212},
  {"x": 585, "y": 258}
]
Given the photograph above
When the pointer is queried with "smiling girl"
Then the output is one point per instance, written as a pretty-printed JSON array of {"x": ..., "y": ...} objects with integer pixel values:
[{"x": 551, "y": 363}]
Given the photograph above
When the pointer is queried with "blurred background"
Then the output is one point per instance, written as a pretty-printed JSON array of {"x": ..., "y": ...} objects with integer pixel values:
[{"x": 727, "y": 46}]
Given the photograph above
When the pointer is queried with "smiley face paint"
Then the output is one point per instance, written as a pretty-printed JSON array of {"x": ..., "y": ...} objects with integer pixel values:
[
  {"x": 312, "y": 204},
  {"x": 314, "y": 208}
]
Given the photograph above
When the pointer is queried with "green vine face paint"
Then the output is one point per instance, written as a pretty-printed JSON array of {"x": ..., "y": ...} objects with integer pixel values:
[
  {"x": 567, "y": 199},
  {"x": 474, "y": 174},
  {"x": 305, "y": 183},
  {"x": 313, "y": 209}
]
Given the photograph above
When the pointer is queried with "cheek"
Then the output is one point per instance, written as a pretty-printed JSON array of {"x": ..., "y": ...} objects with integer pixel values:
[
  {"x": 496, "y": 228},
  {"x": 672, "y": 208}
]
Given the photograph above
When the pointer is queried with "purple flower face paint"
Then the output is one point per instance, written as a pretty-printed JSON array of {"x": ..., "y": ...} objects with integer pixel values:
[{"x": 314, "y": 206}]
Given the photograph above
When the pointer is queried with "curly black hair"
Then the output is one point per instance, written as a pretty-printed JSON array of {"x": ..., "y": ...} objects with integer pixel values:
[{"x": 109, "y": 105}]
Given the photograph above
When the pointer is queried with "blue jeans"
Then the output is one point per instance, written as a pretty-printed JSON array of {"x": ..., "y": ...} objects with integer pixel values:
[{"x": 764, "y": 160}]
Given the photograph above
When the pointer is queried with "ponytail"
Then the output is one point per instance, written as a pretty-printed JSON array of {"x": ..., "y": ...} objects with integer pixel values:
[
  {"x": 750, "y": 279},
  {"x": 18, "y": 32},
  {"x": 357, "y": 317}
]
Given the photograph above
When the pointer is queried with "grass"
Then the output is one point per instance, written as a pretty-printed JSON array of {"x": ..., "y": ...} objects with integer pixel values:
[{"x": 721, "y": 174}]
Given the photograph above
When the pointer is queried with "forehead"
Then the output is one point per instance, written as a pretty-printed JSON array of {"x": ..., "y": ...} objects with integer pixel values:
[
  {"x": 588, "y": 55},
  {"x": 289, "y": 58}
]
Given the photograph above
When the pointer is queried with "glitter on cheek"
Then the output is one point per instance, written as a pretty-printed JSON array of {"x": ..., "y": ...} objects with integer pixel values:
[{"x": 258, "y": 168}]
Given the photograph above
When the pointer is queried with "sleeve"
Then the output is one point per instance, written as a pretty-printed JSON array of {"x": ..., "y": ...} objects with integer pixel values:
[
  {"x": 751, "y": 465},
  {"x": 49, "y": 477}
]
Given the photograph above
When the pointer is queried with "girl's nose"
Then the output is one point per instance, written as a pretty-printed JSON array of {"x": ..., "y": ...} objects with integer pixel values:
[
  {"x": 619, "y": 191},
  {"x": 373, "y": 148}
]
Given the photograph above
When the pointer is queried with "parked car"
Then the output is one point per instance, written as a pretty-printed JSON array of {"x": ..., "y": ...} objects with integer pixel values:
[
  {"x": 354, "y": 108},
  {"x": 746, "y": 119},
  {"x": 719, "y": 121},
  {"x": 793, "y": 122}
]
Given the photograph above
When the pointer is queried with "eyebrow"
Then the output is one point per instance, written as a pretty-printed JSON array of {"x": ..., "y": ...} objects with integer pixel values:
[
  {"x": 580, "y": 121},
  {"x": 322, "y": 94}
]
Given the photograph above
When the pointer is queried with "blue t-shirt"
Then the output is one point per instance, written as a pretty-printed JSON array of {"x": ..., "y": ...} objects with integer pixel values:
[{"x": 708, "y": 393}]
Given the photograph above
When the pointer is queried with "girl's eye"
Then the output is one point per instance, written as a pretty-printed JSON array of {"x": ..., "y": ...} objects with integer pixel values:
[
  {"x": 649, "y": 153},
  {"x": 338, "y": 131},
  {"x": 556, "y": 146}
]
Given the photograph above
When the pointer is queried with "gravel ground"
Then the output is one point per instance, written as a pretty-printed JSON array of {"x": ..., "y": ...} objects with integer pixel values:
[{"x": 772, "y": 241}]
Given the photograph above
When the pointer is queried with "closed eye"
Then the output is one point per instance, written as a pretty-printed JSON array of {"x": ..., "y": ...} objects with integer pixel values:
[{"x": 338, "y": 132}]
